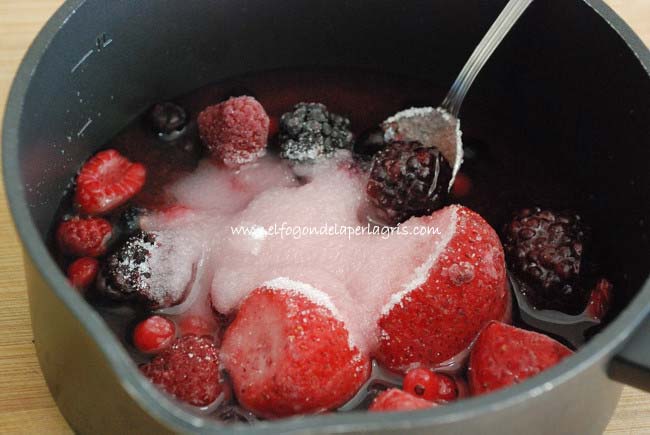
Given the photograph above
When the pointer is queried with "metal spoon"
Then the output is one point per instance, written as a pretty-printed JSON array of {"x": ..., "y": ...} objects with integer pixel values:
[{"x": 440, "y": 127}]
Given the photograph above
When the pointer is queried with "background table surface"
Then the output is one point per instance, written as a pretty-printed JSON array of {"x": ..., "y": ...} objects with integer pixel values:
[{"x": 25, "y": 403}]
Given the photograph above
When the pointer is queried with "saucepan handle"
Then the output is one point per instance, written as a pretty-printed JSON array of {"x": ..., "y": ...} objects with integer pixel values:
[{"x": 632, "y": 363}]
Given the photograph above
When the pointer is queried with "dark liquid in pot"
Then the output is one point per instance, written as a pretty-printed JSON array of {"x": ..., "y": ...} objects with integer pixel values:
[{"x": 367, "y": 98}]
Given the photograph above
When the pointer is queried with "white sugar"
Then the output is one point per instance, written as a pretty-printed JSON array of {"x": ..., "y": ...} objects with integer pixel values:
[
  {"x": 409, "y": 113},
  {"x": 422, "y": 272},
  {"x": 314, "y": 295},
  {"x": 353, "y": 276}
]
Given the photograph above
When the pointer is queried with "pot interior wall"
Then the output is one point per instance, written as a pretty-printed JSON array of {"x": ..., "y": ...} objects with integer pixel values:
[{"x": 561, "y": 110}]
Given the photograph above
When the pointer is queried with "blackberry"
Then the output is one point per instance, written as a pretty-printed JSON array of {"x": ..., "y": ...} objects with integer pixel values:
[
  {"x": 150, "y": 269},
  {"x": 544, "y": 250},
  {"x": 126, "y": 273},
  {"x": 310, "y": 132},
  {"x": 167, "y": 120},
  {"x": 407, "y": 179}
]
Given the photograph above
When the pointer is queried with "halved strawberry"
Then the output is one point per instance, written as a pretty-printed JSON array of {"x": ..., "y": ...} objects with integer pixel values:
[
  {"x": 398, "y": 400},
  {"x": 459, "y": 290},
  {"x": 107, "y": 181},
  {"x": 188, "y": 370},
  {"x": 287, "y": 355},
  {"x": 504, "y": 355},
  {"x": 84, "y": 237}
]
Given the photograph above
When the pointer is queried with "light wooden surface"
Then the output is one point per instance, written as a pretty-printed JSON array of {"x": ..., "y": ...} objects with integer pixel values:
[{"x": 25, "y": 403}]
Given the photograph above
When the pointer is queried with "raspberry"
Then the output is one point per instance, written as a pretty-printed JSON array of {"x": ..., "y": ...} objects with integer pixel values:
[
  {"x": 430, "y": 385},
  {"x": 235, "y": 131},
  {"x": 398, "y": 400},
  {"x": 82, "y": 272},
  {"x": 153, "y": 334},
  {"x": 407, "y": 179},
  {"x": 84, "y": 237},
  {"x": 107, "y": 181},
  {"x": 310, "y": 132},
  {"x": 188, "y": 370},
  {"x": 544, "y": 250}
]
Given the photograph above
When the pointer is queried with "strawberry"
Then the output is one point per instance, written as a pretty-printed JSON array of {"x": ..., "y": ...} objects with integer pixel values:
[
  {"x": 287, "y": 355},
  {"x": 153, "y": 334},
  {"x": 82, "y": 272},
  {"x": 107, "y": 181},
  {"x": 188, "y": 370},
  {"x": 459, "y": 290},
  {"x": 398, "y": 400},
  {"x": 84, "y": 237},
  {"x": 430, "y": 385},
  {"x": 504, "y": 355},
  {"x": 600, "y": 299}
]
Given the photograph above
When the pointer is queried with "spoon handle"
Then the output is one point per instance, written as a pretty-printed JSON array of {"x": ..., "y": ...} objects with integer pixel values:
[{"x": 499, "y": 29}]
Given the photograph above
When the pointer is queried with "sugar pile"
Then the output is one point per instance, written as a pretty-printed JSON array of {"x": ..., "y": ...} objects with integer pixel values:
[{"x": 353, "y": 276}]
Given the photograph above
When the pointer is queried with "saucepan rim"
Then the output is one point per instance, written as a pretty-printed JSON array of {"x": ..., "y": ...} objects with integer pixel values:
[{"x": 599, "y": 349}]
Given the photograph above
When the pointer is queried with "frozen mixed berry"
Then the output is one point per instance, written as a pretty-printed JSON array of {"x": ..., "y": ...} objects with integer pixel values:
[
  {"x": 188, "y": 370},
  {"x": 430, "y": 385},
  {"x": 398, "y": 400},
  {"x": 544, "y": 250},
  {"x": 236, "y": 131},
  {"x": 154, "y": 334},
  {"x": 287, "y": 355},
  {"x": 600, "y": 299},
  {"x": 127, "y": 274},
  {"x": 464, "y": 288},
  {"x": 504, "y": 355},
  {"x": 84, "y": 237},
  {"x": 107, "y": 181},
  {"x": 82, "y": 272},
  {"x": 407, "y": 179},
  {"x": 167, "y": 120},
  {"x": 310, "y": 132}
]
